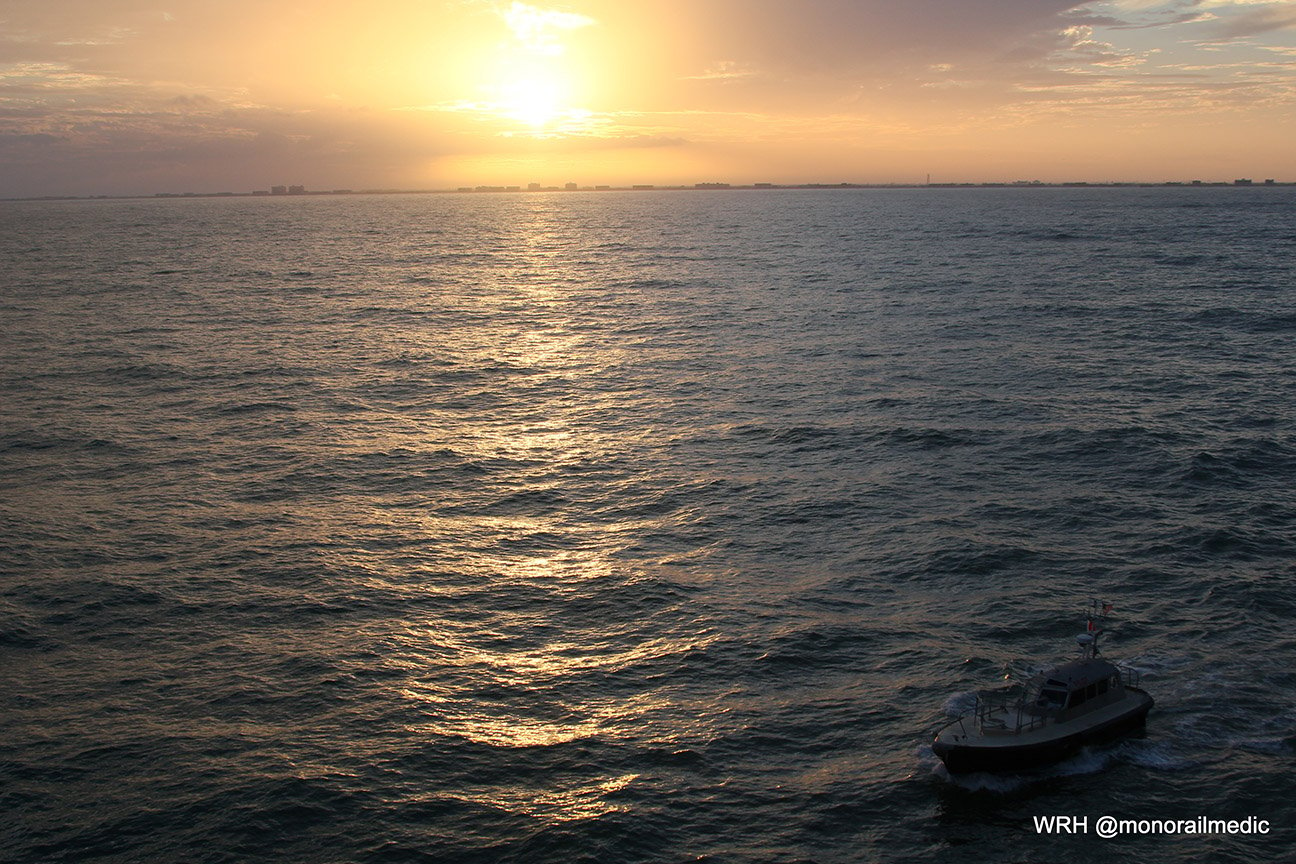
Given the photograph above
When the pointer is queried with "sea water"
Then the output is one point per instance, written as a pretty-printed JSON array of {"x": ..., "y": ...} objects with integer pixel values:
[{"x": 645, "y": 526}]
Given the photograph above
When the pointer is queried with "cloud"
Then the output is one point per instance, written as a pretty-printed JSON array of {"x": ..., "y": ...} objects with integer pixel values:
[
  {"x": 726, "y": 70},
  {"x": 612, "y": 141},
  {"x": 1081, "y": 48},
  {"x": 850, "y": 34},
  {"x": 192, "y": 142},
  {"x": 1161, "y": 19},
  {"x": 538, "y": 29},
  {"x": 1263, "y": 19}
]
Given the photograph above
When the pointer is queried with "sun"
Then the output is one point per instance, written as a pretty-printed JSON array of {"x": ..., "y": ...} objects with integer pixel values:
[
  {"x": 535, "y": 83},
  {"x": 537, "y": 100}
]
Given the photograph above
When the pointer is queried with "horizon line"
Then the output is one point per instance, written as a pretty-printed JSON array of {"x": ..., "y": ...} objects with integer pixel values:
[{"x": 300, "y": 191}]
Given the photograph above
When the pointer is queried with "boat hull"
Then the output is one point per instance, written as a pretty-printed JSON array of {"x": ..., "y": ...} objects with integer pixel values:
[{"x": 1012, "y": 758}]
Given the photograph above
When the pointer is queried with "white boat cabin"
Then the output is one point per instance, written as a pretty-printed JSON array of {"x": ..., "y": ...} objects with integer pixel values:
[{"x": 1075, "y": 688}]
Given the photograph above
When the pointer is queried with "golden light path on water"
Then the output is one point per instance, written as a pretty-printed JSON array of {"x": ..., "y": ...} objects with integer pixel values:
[
  {"x": 515, "y": 680},
  {"x": 513, "y": 636}
]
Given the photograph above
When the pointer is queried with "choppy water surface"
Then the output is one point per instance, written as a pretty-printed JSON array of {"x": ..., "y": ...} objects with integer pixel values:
[{"x": 636, "y": 527}]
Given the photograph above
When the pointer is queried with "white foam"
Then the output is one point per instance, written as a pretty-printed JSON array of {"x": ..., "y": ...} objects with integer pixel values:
[
  {"x": 1087, "y": 761},
  {"x": 982, "y": 782},
  {"x": 1156, "y": 755},
  {"x": 959, "y": 704}
]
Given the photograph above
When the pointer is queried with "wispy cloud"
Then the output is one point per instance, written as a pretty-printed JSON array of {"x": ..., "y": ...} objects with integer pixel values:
[
  {"x": 1269, "y": 18},
  {"x": 725, "y": 70},
  {"x": 539, "y": 29}
]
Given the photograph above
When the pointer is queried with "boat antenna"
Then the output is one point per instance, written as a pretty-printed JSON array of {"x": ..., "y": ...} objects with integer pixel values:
[{"x": 1088, "y": 640}]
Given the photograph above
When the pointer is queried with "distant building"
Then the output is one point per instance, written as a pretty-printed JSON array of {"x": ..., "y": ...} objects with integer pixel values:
[
  {"x": 570, "y": 187},
  {"x": 602, "y": 188},
  {"x": 1270, "y": 182},
  {"x": 1245, "y": 181},
  {"x": 710, "y": 185},
  {"x": 296, "y": 190},
  {"x": 533, "y": 187},
  {"x": 278, "y": 190},
  {"x": 643, "y": 186}
]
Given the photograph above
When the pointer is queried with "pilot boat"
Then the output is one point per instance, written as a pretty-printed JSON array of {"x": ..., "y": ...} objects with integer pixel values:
[{"x": 1050, "y": 717}]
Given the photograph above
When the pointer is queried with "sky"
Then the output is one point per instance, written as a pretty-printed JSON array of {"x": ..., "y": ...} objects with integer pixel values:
[{"x": 145, "y": 96}]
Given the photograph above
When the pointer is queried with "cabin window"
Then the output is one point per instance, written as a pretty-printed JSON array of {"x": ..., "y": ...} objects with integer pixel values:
[
  {"x": 1102, "y": 686},
  {"x": 1077, "y": 698},
  {"x": 1091, "y": 691},
  {"x": 1051, "y": 698}
]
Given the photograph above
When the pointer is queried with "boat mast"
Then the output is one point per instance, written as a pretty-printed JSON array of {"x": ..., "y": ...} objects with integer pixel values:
[{"x": 1088, "y": 640}]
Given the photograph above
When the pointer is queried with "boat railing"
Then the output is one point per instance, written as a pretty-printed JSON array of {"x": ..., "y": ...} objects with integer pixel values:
[
  {"x": 1035, "y": 717},
  {"x": 1129, "y": 677},
  {"x": 990, "y": 702},
  {"x": 1006, "y": 711}
]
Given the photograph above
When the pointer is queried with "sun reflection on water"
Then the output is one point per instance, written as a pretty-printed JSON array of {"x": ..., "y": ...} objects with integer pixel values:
[
  {"x": 561, "y": 803},
  {"x": 540, "y": 645}
]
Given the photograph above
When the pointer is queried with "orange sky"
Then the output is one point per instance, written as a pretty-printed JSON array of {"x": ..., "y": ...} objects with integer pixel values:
[{"x": 142, "y": 96}]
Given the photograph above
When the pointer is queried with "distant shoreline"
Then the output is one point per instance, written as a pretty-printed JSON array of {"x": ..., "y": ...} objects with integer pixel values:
[{"x": 697, "y": 187}]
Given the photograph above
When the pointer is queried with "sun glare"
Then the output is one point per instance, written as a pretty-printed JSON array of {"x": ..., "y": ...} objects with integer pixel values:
[
  {"x": 534, "y": 84},
  {"x": 537, "y": 102}
]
